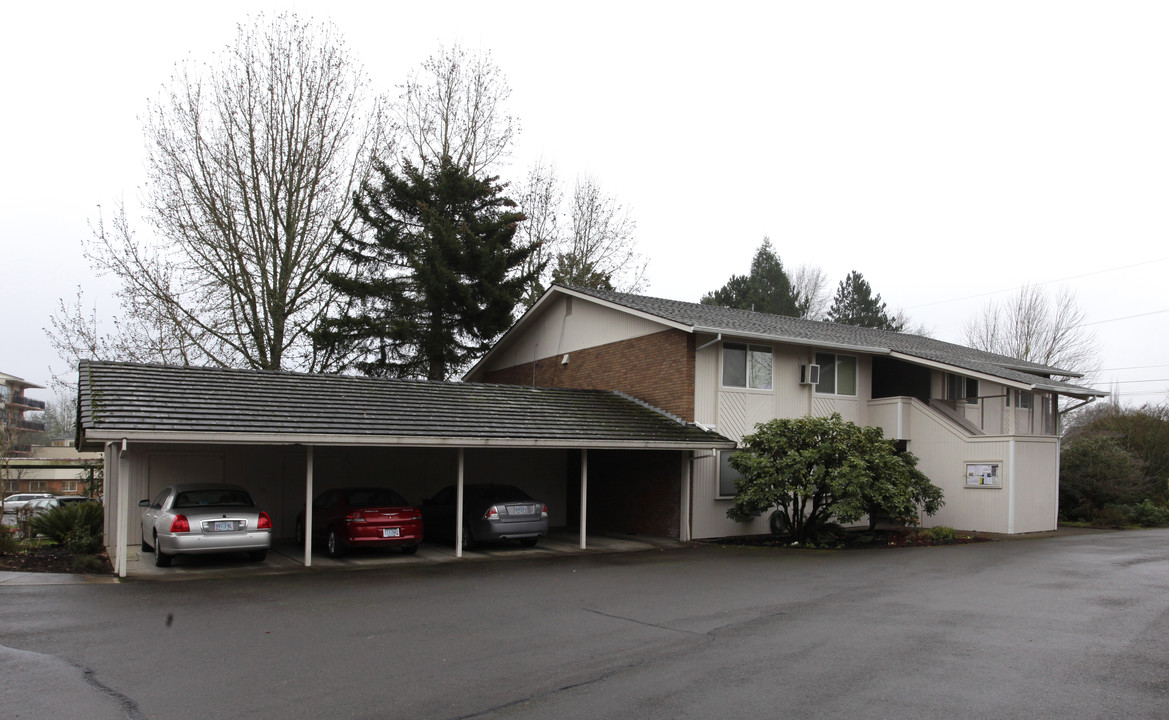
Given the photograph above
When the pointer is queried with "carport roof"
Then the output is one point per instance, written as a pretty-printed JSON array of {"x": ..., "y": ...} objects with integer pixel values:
[{"x": 161, "y": 403}]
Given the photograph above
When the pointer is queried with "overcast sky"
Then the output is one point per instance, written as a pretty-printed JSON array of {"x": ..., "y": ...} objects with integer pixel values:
[{"x": 950, "y": 152}]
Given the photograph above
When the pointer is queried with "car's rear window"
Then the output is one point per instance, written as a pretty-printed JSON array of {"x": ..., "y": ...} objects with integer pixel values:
[
  {"x": 211, "y": 498},
  {"x": 375, "y": 497}
]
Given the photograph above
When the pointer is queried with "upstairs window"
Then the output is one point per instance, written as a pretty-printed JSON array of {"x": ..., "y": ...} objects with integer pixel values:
[
  {"x": 747, "y": 366},
  {"x": 1023, "y": 399},
  {"x": 837, "y": 374},
  {"x": 962, "y": 388}
]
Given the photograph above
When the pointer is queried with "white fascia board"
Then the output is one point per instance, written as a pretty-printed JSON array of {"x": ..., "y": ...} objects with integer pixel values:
[
  {"x": 211, "y": 438},
  {"x": 785, "y": 340},
  {"x": 1080, "y": 393},
  {"x": 523, "y": 321},
  {"x": 627, "y": 310}
]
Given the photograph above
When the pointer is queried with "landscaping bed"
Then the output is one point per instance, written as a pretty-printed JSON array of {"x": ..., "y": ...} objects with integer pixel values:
[
  {"x": 860, "y": 540},
  {"x": 55, "y": 560}
]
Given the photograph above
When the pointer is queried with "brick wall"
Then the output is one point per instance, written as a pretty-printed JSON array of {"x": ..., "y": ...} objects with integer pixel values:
[
  {"x": 634, "y": 492},
  {"x": 657, "y": 368}
]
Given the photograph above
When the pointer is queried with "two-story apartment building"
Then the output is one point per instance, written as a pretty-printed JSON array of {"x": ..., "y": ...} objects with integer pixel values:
[{"x": 983, "y": 426}]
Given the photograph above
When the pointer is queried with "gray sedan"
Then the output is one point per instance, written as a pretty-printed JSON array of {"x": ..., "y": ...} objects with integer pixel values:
[
  {"x": 198, "y": 519},
  {"x": 490, "y": 513}
]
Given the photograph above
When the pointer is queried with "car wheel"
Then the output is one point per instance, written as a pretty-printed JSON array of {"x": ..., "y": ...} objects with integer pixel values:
[
  {"x": 145, "y": 546},
  {"x": 160, "y": 559},
  {"x": 529, "y": 542},
  {"x": 409, "y": 549},
  {"x": 469, "y": 542},
  {"x": 334, "y": 546},
  {"x": 258, "y": 555},
  {"x": 299, "y": 535}
]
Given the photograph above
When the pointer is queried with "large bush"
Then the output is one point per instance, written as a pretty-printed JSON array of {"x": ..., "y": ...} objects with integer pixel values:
[
  {"x": 814, "y": 471},
  {"x": 1096, "y": 472}
]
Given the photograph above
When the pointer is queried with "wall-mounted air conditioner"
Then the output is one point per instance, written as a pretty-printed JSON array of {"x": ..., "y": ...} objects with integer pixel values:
[{"x": 809, "y": 374}]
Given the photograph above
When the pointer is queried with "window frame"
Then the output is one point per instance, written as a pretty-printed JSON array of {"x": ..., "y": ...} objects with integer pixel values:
[
  {"x": 832, "y": 369},
  {"x": 748, "y": 351},
  {"x": 720, "y": 465}
]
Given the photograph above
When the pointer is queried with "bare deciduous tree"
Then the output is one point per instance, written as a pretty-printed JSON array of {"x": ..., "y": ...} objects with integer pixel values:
[
  {"x": 454, "y": 105},
  {"x": 810, "y": 285},
  {"x": 1038, "y": 328},
  {"x": 600, "y": 250},
  {"x": 540, "y": 198},
  {"x": 250, "y": 162}
]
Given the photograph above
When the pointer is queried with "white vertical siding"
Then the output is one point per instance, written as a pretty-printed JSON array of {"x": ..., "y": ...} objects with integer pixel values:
[{"x": 734, "y": 412}]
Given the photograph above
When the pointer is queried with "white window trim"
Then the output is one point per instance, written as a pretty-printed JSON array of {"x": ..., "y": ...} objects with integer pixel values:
[
  {"x": 747, "y": 387},
  {"x": 718, "y": 475},
  {"x": 856, "y": 372}
]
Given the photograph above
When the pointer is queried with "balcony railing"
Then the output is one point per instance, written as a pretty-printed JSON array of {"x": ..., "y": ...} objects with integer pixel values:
[
  {"x": 29, "y": 425},
  {"x": 27, "y": 402}
]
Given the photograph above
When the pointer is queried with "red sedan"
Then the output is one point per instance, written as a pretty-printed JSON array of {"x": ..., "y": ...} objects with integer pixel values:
[{"x": 363, "y": 517}]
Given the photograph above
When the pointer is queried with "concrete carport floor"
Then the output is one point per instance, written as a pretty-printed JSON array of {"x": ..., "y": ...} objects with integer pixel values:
[{"x": 287, "y": 557}]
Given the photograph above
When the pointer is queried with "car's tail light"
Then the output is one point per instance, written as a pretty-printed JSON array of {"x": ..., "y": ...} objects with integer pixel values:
[
  {"x": 356, "y": 517},
  {"x": 180, "y": 524},
  {"x": 544, "y": 512},
  {"x": 492, "y": 513},
  {"x": 265, "y": 522}
]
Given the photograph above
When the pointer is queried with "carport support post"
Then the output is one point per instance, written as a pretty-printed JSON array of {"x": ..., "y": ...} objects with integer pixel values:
[
  {"x": 584, "y": 494},
  {"x": 459, "y": 508},
  {"x": 308, "y": 506},
  {"x": 123, "y": 522}
]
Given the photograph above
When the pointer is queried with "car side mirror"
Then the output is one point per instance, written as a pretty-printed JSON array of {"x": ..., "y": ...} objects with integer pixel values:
[{"x": 143, "y": 503}]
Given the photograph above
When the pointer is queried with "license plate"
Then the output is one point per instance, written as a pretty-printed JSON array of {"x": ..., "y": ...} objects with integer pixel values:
[
  {"x": 223, "y": 526},
  {"x": 520, "y": 510},
  {"x": 391, "y": 532}
]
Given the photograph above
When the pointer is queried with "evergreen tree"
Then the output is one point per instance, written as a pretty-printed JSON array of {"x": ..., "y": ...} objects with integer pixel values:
[
  {"x": 855, "y": 304},
  {"x": 767, "y": 289},
  {"x": 437, "y": 274}
]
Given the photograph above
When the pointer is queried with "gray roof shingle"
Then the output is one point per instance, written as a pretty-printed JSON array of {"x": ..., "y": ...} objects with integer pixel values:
[
  {"x": 712, "y": 318},
  {"x": 142, "y": 401}
]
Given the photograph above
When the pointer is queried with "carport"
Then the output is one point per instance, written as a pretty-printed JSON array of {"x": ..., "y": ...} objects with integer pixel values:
[{"x": 159, "y": 424}]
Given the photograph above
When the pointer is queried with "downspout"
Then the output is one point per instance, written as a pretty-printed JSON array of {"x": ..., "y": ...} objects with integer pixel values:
[{"x": 717, "y": 338}]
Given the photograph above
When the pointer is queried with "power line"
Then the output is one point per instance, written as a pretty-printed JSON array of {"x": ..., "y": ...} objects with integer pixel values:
[
  {"x": 1046, "y": 282},
  {"x": 1132, "y": 367},
  {"x": 1126, "y": 317},
  {"x": 1126, "y": 382}
]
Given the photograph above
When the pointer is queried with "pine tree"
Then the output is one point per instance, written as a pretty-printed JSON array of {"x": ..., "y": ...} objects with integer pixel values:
[
  {"x": 437, "y": 275},
  {"x": 855, "y": 304},
  {"x": 766, "y": 289}
]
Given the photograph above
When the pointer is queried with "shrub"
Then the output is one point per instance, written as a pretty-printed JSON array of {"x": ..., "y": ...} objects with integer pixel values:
[
  {"x": 58, "y": 523},
  {"x": 1145, "y": 513},
  {"x": 80, "y": 541},
  {"x": 9, "y": 545},
  {"x": 814, "y": 471},
  {"x": 940, "y": 534},
  {"x": 1094, "y": 474}
]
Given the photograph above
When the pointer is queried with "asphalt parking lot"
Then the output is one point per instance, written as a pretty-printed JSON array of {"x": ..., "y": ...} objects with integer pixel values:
[{"x": 1063, "y": 627}]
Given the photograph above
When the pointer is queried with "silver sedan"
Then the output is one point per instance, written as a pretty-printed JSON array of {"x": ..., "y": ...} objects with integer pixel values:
[{"x": 197, "y": 519}]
